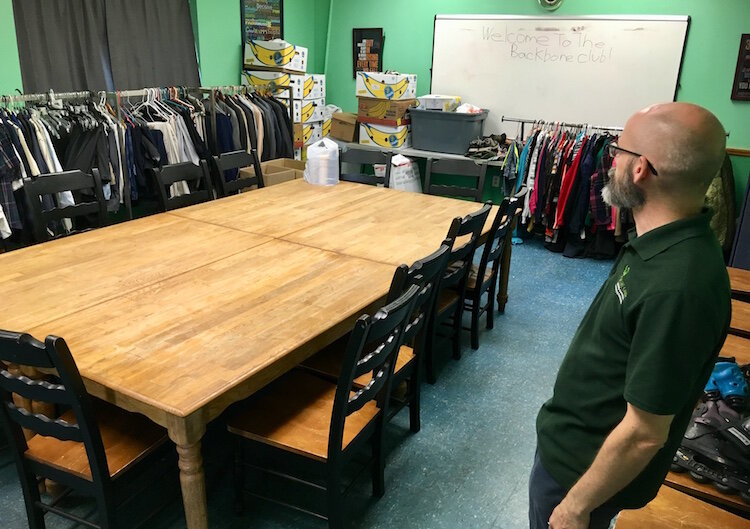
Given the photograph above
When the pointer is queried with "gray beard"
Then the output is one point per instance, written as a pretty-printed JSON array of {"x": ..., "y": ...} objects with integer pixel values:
[{"x": 623, "y": 194}]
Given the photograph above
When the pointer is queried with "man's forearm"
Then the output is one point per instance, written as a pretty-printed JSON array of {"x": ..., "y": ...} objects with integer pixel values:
[{"x": 624, "y": 455}]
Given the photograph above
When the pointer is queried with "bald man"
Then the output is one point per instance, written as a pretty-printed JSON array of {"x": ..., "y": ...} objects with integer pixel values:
[{"x": 642, "y": 354}]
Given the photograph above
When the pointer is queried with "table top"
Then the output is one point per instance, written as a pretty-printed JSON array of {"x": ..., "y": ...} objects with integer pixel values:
[
  {"x": 179, "y": 343},
  {"x": 283, "y": 208},
  {"x": 674, "y": 509},
  {"x": 46, "y": 281},
  {"x": 185, "y": 312},
  {"x": 738, "y": 347},
  {"x": 400, "y": 229}
]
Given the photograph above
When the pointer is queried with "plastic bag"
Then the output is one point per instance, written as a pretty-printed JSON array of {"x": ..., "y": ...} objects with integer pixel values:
[
  {"x": 322, "y": 167},
  {"x": 468, "y": 108},
  {"x": 404, "y": 174}
]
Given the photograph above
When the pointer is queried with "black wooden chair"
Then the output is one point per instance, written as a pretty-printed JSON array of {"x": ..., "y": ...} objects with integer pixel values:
[
  {"x": 471, "y": 174},
  {"x": 232, "y": 161},
  {"x": 489, "y": 270},
  {"x": 426, "y": 274},
  {"x": 303, "y": 429},
  {"x": 200, "y": 191},
  {"x": 90, "y": 210},
  {"x": 366, "y": 157},
  {"x": 92, "y": 448},
  {"x": 446, "y": 322}
]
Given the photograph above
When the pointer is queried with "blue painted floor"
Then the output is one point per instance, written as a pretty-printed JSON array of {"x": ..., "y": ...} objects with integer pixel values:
[{"x": 469, "y": 465}]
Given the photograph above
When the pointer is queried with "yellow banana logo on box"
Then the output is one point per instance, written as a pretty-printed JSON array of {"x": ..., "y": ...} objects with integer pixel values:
[
  {"x": 309, "y": 85},
  {"x": 281, "y": 82},
  {"x": 326, "y": 128},
  {"x": 383, "y": 90},
  {"x": 307, "y": 133},
  {"x": 386, "y": 139},
  {"x": 271, "y": 57},
  {"x": 308, "y": 111}
]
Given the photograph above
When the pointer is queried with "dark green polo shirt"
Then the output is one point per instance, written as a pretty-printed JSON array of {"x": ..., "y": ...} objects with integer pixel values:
[{"x": 650, "y": 338}]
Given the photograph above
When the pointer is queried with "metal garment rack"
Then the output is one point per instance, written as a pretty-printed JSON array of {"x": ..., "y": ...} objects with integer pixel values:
[
  {"x": 524, "y": 122},
  {"x": 211, "y": 90}
]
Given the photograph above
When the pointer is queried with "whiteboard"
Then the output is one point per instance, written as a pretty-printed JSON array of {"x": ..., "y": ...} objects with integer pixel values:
[{"x": 590, "y": 69}]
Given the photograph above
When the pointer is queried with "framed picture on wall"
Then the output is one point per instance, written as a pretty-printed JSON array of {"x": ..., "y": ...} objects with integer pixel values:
[
  {"x": 741, "y": 85},
  {"x": 262, "y": 19},
  {"x": 367, "y": 50}
]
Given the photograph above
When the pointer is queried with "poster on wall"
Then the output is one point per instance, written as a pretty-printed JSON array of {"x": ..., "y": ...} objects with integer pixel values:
[
  {"x": 368, "y": 50},
  {"x": 262, "y": 19},
  {"x": 741, "y": 85}
]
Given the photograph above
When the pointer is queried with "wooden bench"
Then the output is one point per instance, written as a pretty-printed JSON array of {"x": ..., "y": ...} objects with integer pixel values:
[
  {"x": 740, "y": 319},
  {"x": 684, "y": 483},
  {"x": 738, "y": 347},
  {"x": 739, "y": 280},
  {"x": 672, "y": 509}
]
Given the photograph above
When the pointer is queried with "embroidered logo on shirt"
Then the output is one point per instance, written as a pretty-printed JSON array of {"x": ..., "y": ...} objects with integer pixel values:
[{"x": 620, "y": 288}]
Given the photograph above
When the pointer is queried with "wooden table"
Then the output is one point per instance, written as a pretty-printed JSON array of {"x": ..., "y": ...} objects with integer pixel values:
[
  {"x": 178, "y": 315},
  {"x": 739, "y": 280},
  {"x": 738, "y": 347},
  {"x": 674, "y": 510}
]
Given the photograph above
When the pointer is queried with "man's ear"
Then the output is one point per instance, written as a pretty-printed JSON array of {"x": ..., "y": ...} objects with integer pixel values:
[{"x": 640, "y": 170}]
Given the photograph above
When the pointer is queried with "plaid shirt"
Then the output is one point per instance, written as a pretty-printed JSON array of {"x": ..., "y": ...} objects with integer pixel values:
[{"x": 10, "y": 169}]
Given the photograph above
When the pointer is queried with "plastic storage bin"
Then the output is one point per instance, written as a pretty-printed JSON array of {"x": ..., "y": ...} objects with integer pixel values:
[{"x": 435, "y": 130}]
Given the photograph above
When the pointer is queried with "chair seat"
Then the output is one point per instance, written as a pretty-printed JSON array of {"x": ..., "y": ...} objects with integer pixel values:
[
  {"x": 127, "y": 439},
  {"x": 328, "y": 362},
  {"x": 471, "y": 281},
  {"x": 448, "y": 298},
  {"x": 294, "y": 413}
]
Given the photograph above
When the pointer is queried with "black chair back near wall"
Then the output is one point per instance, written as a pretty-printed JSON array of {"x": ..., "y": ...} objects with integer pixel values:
[
  {"x": 42, "y": 191},
  {"x": 236, "y": 160},
  {"x": 468, "y": 171},
  {"x": 201, "y": 190},
  {"x": 362, "y": 157}
]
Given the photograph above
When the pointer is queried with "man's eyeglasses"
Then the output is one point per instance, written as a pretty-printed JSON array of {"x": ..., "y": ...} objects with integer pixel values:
[{"x": 612, "y": 149}]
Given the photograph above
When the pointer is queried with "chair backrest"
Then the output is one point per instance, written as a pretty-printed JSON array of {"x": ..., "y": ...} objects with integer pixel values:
[
  {"x": 372, "y": 348},
  {"x": 237, "y": 160},
  {"x": 496, "y": 241},
  {"x": 469, "y": 229},
  {"x": 36, "y": 189},
  {"x": 469, "y": 171},
  {"x": 366, "y": 157},
  {"x": 426, "y": 274},
  {"x": 178, "y": 172},
  {"x": 64, "y": 390}
]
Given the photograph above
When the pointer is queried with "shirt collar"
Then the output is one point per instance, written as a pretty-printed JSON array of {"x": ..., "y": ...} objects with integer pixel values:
[{"x": 664, "y": 237}]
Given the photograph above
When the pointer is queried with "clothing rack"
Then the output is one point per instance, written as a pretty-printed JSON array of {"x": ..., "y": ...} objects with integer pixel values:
[
  {"x": 49, "y": 96},
  {"x": 211, "y": 90},
  {"x": 524, "y": 122}
]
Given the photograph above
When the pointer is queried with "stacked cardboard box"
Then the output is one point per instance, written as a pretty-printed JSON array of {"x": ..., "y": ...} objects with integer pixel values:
[
  {"x": 285, "y": 65},
  {"x": 383, "y": 102},
  {"x": 276, "y": 171}
]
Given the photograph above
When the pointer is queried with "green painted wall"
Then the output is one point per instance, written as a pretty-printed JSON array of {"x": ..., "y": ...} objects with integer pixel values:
[
  {"x": 219, "y": 35},
  {"x": 10, "y": 68},
  {"x": 707, "y": 75}
]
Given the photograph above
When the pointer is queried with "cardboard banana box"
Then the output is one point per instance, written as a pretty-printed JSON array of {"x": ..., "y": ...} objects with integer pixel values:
[
  {"x": 275, "y": 54},
  {"x": 386, "y": 86},
  {"x": 381, "y": 136},
  {"x": 306, "y": 111},
  {"x": 308, "y": 86},
  {"x": 388, "y": 109}
]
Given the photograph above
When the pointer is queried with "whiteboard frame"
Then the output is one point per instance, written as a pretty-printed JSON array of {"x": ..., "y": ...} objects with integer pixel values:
[{"x": 649, "y": 18}]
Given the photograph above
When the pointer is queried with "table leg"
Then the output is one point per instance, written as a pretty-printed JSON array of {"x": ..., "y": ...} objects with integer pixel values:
[{"x": 192, "y": 479}]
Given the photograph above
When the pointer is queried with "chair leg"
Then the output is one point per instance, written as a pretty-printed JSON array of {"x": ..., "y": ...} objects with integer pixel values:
[
  {"x": 334, "y": 500},
  {"x": 31, "y": 496},
  {"x": 415, "y": 422},
  {"x": 491, "y": 306},
  {"x": 239, "y": 478},
  {"x": 378, "y": 464},
  {"x": 429, "y": 362},
  {"x": 457, "y": 330},
  {"x": 475, "y": 308}
]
